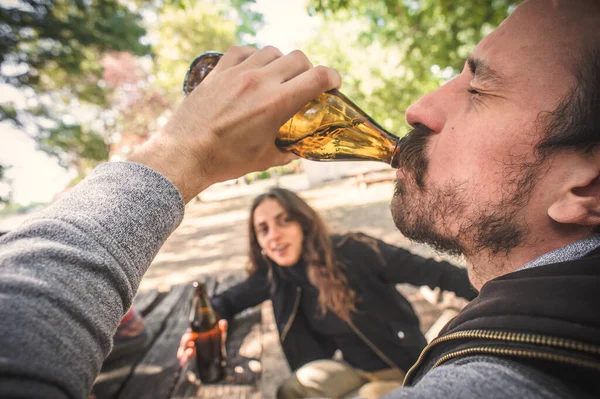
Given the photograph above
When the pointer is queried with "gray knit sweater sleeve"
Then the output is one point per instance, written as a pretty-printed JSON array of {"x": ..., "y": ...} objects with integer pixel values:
[
  {"x": 486, "y": 377},
  {"x": 69, "y": 274}
]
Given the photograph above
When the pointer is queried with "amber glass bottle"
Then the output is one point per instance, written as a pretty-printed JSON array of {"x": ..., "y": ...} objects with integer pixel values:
[
  {"x": 207, "y": 336},
  {"x": 329, "y": 128}
]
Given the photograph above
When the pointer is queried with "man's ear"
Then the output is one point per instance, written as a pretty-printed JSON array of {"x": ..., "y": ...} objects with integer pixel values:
[{"x": 578, "y": 201}]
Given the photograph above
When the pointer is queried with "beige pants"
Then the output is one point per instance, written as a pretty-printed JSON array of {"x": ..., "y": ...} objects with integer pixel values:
[{"x": 335, "y": 379}]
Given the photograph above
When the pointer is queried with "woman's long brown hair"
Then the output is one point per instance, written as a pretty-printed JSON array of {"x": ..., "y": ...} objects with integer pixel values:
[{"x": 323, "y": 269}]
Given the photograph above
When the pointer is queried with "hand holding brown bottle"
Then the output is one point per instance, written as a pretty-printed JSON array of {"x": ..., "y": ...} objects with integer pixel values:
[{"x": 187, "y": 348}]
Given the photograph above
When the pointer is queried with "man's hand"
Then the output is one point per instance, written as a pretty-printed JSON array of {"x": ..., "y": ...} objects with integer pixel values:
[{"x": 227, "y": 126}]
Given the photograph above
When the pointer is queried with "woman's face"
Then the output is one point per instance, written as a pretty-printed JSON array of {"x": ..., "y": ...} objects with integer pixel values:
[{"x": 279, "y": 237}]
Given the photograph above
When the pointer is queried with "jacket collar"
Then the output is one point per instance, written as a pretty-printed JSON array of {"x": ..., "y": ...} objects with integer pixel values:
[{"x": 558, "y": 299}]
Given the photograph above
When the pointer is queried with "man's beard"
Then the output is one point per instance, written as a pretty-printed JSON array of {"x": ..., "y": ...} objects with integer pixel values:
[{"x": 444, "y": 217}]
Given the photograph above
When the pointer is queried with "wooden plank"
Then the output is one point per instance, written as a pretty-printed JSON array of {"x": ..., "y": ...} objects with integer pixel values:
[
  {"x": 228, "y": 391},
  {"x": 145, "y": 301},
  {"x": 112, "y": 376},
  {"x": 275, "y": 368},
  {"x": 154, "y": 376},
  {"x": 187, "y": 383},
  {"x": 244, "y": 349},
  {"x": 156, "y": 319}
]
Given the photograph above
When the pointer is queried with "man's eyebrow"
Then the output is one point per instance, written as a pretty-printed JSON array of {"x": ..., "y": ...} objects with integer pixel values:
[{"x": 483, "y": 72}]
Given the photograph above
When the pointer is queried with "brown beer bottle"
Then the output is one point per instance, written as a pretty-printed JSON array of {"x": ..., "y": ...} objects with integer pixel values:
[
  {"x": 207, "y": 336},
  {"x": 329, "y": 128}
]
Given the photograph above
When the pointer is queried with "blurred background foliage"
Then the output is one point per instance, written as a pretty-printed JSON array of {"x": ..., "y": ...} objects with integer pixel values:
[
  {"x": 92, "y": 79},
  {"x": 391, "y": 52}
]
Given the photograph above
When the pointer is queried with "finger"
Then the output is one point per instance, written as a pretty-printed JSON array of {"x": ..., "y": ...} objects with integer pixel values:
[
  {"x": 183, "y": 345},
  {"x": 309, "y": 85},
  {"x": 289, "y": 66},
  {"x": 297, "y": 92},
  {"x": 185, "y": 357},
  {"x": 234, "y": 56},
  {"x": 262, "y": 57},
  {"x": 190, "y": 344},
  {"x": 186, "y": 337},
  {"x": 223, "y": 325}
]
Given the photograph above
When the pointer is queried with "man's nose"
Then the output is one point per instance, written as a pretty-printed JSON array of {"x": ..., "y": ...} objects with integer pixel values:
[{"x": 428, "y": 111}]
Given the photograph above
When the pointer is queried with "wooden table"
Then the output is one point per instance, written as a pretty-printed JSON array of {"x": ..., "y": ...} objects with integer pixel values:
[
  {"x": 364, "y": 178},
  {"x": 154, "y": 372},
  {"x": 256, "y": 365}
]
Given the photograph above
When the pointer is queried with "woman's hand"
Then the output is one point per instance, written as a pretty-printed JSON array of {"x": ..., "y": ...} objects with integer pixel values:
[{"x": 187, "y": 348}]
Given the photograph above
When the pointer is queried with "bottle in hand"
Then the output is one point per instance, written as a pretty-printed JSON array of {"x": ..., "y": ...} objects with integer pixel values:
[
  {"x": 329, "y": 128},
  {"x": 204, "y": 324}
]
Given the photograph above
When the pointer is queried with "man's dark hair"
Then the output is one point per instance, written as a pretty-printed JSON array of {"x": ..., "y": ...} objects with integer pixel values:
[{"x": 575, "y": 124}]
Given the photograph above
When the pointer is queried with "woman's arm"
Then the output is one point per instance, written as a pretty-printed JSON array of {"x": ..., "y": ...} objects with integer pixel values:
[
  {"x": 405, "y": 267},
  {"x": 251, "y": 292},
  {"x": 397, "y": 265}
]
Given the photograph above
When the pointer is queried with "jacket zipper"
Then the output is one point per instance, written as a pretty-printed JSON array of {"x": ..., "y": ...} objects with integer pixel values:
[
  {"x": 492, "y": 350},
  {"x": 536, "y": 339},
  {"x": 371, "y": 345},
  {"x": 290, "y": 319}
]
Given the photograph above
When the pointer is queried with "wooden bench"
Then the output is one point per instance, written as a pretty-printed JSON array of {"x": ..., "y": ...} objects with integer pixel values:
[
  {"x": 366, "y": 177},
  {"x": 154, "y": 372}
]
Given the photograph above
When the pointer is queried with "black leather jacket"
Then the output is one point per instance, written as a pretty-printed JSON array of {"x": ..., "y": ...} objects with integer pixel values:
[
  {"x": 545, "y": 318},
  {"x": 385, "y": 320}
]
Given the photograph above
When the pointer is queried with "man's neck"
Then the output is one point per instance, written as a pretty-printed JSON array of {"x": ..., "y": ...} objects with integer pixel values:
[{"x": 485, "y": 266}]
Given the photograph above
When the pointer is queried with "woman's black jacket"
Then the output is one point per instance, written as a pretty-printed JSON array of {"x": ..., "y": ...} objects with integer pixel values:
[{"x": 385, "y": 320}]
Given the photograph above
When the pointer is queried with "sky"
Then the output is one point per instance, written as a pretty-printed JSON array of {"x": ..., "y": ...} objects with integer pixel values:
[
  {"x": 36, "y": 177},
  {"x": 286, "y": 23}
]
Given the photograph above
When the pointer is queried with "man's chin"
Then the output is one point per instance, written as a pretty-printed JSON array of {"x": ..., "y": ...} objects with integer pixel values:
[
  {"x": 399, "y": 215},
  {"x": 399, "y": 209},
  {"x": 422, "y": 230}
]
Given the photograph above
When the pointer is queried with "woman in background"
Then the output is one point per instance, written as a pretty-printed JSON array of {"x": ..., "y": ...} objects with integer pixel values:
[{"x": 333, "y": 292}]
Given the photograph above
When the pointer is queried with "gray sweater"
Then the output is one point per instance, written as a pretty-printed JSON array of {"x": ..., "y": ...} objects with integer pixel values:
[{"x": 69, "y": 274}]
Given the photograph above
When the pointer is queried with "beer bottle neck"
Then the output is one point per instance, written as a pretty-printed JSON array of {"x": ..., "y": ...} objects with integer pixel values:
[{"x": 202, "y": 315}]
